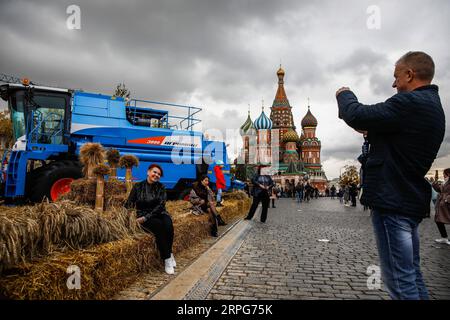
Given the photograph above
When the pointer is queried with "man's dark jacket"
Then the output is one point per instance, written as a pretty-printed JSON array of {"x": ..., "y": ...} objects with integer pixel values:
[
  {"x": 405, "y": 134},
  {"x": 264, "y": 180}
]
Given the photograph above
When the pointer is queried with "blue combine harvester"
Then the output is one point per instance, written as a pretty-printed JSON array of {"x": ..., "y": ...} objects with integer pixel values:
[{"x": 51, "y": 124}]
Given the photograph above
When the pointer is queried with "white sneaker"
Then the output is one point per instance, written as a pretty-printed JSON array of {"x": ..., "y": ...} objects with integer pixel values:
[
  {"x": 172, "y": 258},
  {"x": 442, "y": 240},
  {"x": 168, "y": 267}
]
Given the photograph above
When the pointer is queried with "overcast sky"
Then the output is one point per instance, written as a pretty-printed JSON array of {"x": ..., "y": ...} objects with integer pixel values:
[{"x": 223, "y": 55}]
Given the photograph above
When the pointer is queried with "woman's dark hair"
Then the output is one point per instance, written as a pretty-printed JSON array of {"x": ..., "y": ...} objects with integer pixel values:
[
  {"x": 154, "y": 165},
  {"x": 447, "y": 172},
  {"x": 203, "y": 177}
]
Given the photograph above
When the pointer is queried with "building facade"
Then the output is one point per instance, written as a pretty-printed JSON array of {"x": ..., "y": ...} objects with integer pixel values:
[{"x": 298, "y": 156}]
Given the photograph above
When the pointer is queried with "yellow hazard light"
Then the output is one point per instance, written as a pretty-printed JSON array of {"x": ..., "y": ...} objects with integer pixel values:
[{"x": 26, "y": 81}]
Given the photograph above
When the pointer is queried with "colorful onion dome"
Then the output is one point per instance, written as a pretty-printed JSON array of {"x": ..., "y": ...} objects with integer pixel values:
[
  {"x": 290, "y": 136},
  {"x": 247, "y": 127},
  {"x": 309, "y": 120},
  {"x": 263, "y": 122}
]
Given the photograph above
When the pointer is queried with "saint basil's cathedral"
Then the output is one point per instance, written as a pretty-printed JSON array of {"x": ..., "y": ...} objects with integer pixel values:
[{"x": 298, "y": 156}]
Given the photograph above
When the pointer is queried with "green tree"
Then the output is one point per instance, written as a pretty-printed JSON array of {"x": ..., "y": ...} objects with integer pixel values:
[
  {"x": 6, "y": 131},
  {"x": 122, "y": 91}
]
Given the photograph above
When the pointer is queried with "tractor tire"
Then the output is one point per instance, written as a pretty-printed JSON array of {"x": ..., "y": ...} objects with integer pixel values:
[{"x": 52, "y": 180}]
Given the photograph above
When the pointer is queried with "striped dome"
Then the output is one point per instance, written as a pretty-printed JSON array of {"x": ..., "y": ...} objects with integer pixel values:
[
  {"x": 247, "y": 127},
  {"x": 290, "y": 136},
  {"x": 309, "y": 120},
  {"x": 263, "y": 122}
]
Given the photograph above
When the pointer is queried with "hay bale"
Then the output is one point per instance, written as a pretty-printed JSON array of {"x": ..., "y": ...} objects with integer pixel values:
[
  {"x": 235, "y": 195},
  {"x": 20, "y": 234},
  {"x": 82, "y": 191},
  {"x": 27, "y": 232},
  {"x": 105, "y": 270},
  {"x": 110, "y": 267}
]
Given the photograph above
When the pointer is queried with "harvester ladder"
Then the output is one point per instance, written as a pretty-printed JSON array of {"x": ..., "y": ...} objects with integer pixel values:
[{"x": 11, "y": 176}]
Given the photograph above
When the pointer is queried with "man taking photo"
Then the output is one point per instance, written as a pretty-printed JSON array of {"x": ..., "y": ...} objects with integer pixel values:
[{"x": 404, "y": 133}]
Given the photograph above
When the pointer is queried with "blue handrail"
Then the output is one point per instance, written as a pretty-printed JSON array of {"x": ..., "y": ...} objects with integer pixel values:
[{"x": 163, "y": 115}]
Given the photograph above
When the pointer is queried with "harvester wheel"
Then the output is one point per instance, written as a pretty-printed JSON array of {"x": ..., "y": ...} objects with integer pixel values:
[{"x": 52, "y": 180}]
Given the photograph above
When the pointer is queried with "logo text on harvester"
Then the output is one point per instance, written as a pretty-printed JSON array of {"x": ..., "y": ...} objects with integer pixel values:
[{"x": 226, "y": 309}]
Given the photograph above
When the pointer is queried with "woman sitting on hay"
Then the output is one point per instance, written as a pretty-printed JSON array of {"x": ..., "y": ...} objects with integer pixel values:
[
  {"x": 149, "y": 198},
  {"x": 202, "y": 200}
]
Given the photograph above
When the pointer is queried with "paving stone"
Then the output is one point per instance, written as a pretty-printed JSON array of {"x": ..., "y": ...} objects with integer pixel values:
[{"x": 284, "y": 260}]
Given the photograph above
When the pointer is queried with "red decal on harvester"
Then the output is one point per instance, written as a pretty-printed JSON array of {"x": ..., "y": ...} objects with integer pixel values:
[{"x": 151, "y": 140}]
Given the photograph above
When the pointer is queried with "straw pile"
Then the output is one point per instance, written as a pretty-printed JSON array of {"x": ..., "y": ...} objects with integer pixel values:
[
  {"x": 91, "y": 155},
  {"x": 105, "y": 268},
  {"x": 82, "y": 191},
  {"x": 236, "y": 195},
  {"x": 33, "y": 231}
]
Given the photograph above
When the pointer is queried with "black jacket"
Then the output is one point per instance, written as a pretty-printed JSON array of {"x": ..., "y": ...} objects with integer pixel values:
[
  {"x": 405, "y": 134},
  {"x": 148, "y": 199},
  {"x": 264, "y": 180}
]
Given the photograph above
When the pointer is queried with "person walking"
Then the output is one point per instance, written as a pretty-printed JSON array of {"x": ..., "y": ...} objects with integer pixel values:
[
  {"x": 333, "y": 191},
  {"x": 299, "y": 191},
  {"x": 395, "y": 187},
  {"x": 353, "y": 193},
  {"x": 341, "y": 195},
  {"x": 442, "y": 207},
  {"x": 220, "y": 181},
  {"x": 274, "y": 195},
  {"x": 261, "y": 193},
  {"x": 346, "y": 195},
  {"x": 434, "y": 193}
]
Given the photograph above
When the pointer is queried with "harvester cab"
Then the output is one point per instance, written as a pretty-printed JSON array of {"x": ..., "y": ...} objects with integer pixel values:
[{"x": 40, "y": 116}]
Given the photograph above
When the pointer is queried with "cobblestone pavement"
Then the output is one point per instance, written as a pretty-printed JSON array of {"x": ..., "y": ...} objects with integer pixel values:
[
  {"x": 283, "y": 258},
  {"x": 151, "y": 282}
]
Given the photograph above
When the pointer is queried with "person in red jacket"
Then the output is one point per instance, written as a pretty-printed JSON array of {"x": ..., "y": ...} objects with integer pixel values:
[{"x": 220, "y": 181}]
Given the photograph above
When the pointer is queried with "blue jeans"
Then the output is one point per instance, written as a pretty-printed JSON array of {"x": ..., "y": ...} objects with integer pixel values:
[
  {"x": 219, "y": 195},
  {"x": 299, "y": 195},
  {"x": 397, "y": 239}
]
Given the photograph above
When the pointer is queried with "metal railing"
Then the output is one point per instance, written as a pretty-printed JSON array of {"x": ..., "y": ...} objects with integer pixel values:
[{"x": 181, "y": 122}]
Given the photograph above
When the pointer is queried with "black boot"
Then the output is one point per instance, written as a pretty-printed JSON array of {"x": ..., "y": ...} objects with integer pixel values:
[
  {"x": 214, "y": 232},
  {"x": 220, "y": 221}
]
